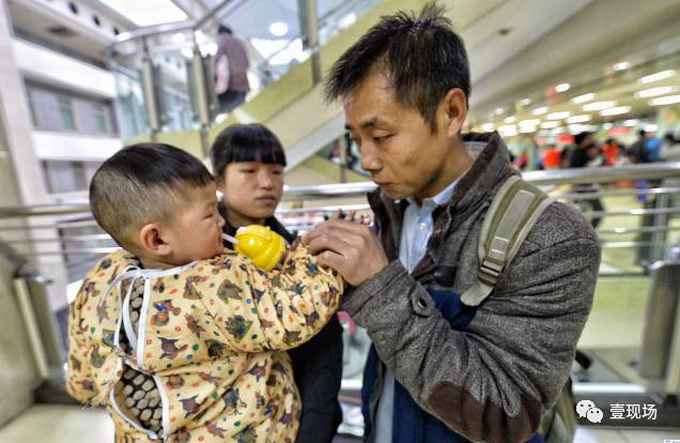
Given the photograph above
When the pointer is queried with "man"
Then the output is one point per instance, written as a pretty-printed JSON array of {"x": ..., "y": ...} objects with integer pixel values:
[
  {"x": 441, "y": 370},
  {"x": 230, "y": 69}
]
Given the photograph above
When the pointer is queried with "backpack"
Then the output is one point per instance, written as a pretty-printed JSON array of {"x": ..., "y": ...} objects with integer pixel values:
[{"x": 513, "y": 212}]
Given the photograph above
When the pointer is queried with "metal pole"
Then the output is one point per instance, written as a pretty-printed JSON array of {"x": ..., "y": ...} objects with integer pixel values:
[
  {"x": 659, "y": 236},
  {"x": 150, "y": 92},
  {"x": 28, "y": 314},
  {"x": 309, "y": 25},
  {"x": 202, "y": 101},
  {"x": 672, "y": 381}
]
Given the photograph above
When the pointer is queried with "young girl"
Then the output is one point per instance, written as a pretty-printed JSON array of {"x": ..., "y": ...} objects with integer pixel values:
[{"x": 248, "y": 162}]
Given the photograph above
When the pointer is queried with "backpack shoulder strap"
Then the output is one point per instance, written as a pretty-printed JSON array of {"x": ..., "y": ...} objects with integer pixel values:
[{"x": 513, "y": 212}]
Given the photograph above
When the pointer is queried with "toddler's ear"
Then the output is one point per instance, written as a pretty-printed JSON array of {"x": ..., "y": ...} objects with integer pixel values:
[{"x": 151, "y": 240}]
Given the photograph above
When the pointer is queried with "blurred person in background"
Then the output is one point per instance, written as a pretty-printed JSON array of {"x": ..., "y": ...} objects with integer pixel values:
[
  {"x": 552, "y": 157},
  {"x": 248, "y": 162},
  {"x": 230, "y": 69},
  {"x": 610, "y": 149},
  {"x": 586, "y": 154},
  {"x": 646, "y": 149}
]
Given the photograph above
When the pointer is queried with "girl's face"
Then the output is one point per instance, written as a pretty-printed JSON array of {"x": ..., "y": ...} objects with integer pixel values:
[{"x": 251, "y": 190}]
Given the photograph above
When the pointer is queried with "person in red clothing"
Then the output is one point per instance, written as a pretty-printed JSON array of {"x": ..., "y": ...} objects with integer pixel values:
[
  {"x": 610, "y": 149},
  {"x": 552, "y": 157}
]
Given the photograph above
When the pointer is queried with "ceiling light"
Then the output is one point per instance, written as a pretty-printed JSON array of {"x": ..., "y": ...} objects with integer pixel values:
[
  {"x": 617, "y": 110},
  {"x": 620, "y": 66},
  {"x": 508, "y": 130},
  {"x": 199, "y": 37},
  {"x": 652, "y": 127},
  {"x": 278, "y": 29},
  {"x": 149, "y": 12},
  {"x": 558, "y": 115},
  {"x": 347, "y": 20},
  {"x": 579, "y": 118},
  {"x": 656, "y": 77},
  {"x": 531, "y": 122},
  {"x": 528, "y": 129},
  {"x": 188, "y": 53},
  {"x": 541, "y": 110},
  {"x": 583, "y": 98},
  {"x": 654, "y": 92},
  {"x": 667, "y": 100},
  {"x": 510, "y": 119},
  {"x": 499, "y": 111},
  {"x": 525, "y": 101},
  {"x": 178, "y": 38},
  {"x": 575, "y": 129},
  {"x": 631, "y": 123},
  {"x": 598, "y": 106},
  {"x": 487, "y": 127},
  {"x": 562, "y": 87},
  {"x": 549, "y": 125}
]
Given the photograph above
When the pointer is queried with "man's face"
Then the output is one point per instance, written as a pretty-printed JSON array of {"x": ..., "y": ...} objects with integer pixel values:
[{"x": 404, "y": 157}]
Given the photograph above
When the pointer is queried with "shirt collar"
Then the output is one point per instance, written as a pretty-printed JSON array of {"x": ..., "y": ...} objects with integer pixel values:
[{"x": 439, "y": 199}]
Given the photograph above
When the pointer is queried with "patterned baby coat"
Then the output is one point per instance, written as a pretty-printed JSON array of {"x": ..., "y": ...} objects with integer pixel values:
[{"x": 195, "y": 353}]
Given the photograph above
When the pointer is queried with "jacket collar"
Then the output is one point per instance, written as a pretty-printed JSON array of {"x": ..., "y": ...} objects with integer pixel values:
[{"x": 490, "y": 168}]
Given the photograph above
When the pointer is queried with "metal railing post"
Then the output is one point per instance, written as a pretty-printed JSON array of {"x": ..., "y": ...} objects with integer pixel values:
[
  {"x": 202, "y": 101},
  {"x": 309, "y": 24},
  {"x": 27, "y": 312},
  {"x": 149, "y": 89},
  {"x": 660, "y": 220}
]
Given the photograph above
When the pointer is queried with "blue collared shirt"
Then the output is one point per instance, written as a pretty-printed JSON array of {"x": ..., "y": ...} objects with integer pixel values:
[{"x": 416, "y": 230}]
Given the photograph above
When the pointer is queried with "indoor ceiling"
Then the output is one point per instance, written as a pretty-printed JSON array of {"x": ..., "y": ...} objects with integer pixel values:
[
  {"x": 604, "y": 49},
  {"x": 519, "y": 49}
]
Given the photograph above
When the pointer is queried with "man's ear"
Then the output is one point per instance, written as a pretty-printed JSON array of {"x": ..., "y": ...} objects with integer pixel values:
[
  {"x": 151, "y": 240},
  {"x": 454, "y": 107}
]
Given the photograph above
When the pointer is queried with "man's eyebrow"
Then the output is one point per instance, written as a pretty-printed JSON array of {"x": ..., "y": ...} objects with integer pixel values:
[{"x": 367, "y": 124}]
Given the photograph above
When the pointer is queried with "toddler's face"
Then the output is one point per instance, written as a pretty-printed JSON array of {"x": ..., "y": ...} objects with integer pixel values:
[{"x": 197, "y": 229}]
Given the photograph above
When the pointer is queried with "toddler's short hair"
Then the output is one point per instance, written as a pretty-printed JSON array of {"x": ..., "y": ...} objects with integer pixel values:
[{"x": 143, "y": 183}]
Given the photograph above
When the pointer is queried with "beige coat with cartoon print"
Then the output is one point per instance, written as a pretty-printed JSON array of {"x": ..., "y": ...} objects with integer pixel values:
[{"x": 211, "y": 333}]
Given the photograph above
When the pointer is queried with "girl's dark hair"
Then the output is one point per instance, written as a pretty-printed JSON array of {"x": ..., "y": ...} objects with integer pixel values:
[
  {"x": 246, "y": 143},
  {"x": 419, "y": 53}
]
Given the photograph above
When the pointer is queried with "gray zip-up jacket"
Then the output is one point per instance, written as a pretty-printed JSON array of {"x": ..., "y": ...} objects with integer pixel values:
[{"x": 494, "y": 380}]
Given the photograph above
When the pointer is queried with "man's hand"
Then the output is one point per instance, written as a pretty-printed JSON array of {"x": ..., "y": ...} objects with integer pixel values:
[{"x": 348, "y": 247}]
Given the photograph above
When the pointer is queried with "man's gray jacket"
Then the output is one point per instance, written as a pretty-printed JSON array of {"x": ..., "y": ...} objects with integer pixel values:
[{"x": 493, "y": 380}]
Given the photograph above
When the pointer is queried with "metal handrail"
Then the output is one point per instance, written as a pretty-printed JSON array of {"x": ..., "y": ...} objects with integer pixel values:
[
  {"x": 567, "y": 176},
  {"x": 165, "y": 28}
]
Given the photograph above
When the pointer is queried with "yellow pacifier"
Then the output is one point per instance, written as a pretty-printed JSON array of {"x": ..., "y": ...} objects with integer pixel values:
[{"x": 260, "y": 244}]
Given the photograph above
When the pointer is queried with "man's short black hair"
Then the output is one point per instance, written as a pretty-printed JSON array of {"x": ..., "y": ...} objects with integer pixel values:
[
  {"x": 420, "y": 54},
  {"x": 246, "y": 143},
  {"x": 578, "y": 138},
  {"x": 224, "y": 29},
  {"x": 143, "y": 183}
]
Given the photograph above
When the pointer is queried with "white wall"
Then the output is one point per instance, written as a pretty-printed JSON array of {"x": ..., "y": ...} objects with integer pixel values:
[
  {"x": 53, "y": 68},
  {"x": 59, "y": 146}
]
